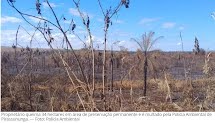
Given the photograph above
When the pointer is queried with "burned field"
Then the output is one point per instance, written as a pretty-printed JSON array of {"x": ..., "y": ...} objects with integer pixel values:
[
  {"x": 97, "y": 77},
  {"x": 40, "y": 80}
]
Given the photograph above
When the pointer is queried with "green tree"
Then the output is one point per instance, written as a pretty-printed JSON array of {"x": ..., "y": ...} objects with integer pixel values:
[
  {"x": 145, "y": 45},
  {"x": 196, "y": 46}
]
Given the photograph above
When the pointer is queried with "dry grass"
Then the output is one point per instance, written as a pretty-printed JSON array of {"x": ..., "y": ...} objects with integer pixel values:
[{"x": 61, "y": 97}]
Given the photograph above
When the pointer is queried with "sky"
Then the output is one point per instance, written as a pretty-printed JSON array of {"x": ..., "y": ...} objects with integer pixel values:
[{"x": 167, "y": 18}]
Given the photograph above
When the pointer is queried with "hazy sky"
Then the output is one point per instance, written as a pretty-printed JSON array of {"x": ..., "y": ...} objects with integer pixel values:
[{"x": 165, "y": 17}]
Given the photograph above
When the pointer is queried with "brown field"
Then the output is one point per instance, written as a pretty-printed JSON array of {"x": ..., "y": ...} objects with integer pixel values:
[{"x": 37, "y": 80}]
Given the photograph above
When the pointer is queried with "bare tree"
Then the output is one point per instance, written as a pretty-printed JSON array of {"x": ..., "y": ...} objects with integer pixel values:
[{"x": 108, "y": 15}]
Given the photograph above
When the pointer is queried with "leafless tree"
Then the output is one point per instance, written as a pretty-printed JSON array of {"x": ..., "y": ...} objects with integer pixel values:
[{"x": 108, "y": 15}]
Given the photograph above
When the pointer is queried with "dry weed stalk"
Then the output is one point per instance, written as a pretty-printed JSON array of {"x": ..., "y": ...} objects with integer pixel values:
[
  {"x": 131, "y": 84},
  {"x": 184, "y": 63},
  {"x": 86, "y": 22},
  {"x": 206, "y": 67},
  {"x": 67, "y": 40},
  {"x": 67, "y": 68},
  {"x": 163, "y": 85},
  {"x": 168, "y": 91},
  {"x": 47, "y": 36}
]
